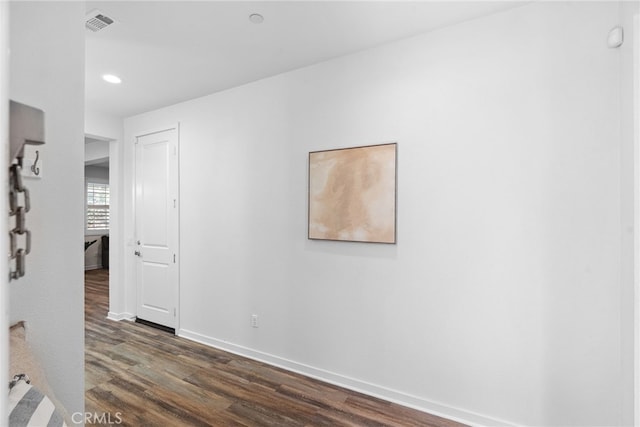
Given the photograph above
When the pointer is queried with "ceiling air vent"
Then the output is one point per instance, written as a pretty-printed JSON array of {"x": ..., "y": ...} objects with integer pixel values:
[{"x": 96, "y": 21}]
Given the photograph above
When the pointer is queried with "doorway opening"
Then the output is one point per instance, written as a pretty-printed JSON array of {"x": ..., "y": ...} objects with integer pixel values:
[{"x": 97, "y": 203}]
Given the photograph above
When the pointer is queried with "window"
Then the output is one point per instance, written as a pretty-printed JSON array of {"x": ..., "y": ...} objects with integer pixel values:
[{"x": 97, "y": 206}]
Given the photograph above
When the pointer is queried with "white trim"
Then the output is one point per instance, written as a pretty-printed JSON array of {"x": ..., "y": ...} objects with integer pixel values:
[
  {"x": 395, "y": 396},
  {"x": 159, "y": 129},
  {"x": 4, "y": 183},
  {"x": 116, "y": 263},
  {"x": 121, "y": 316},
  {"x": 92, "y": 267},
  {"x": 636, "y": 216},
  {"x": 177, "y": 243},
  {"x": 98, "y": 137}
]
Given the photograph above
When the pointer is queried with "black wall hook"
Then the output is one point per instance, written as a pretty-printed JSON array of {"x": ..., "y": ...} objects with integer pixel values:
[{"x": 34, "y": 169}]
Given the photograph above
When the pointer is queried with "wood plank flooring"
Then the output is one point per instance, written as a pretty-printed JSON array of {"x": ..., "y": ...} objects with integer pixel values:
[{"x": 139, "y": 376}]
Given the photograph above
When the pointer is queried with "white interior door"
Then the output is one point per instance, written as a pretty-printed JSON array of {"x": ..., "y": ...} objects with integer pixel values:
[{"x": 157, "y": 227}]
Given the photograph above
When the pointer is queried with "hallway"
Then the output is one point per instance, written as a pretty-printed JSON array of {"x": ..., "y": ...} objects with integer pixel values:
[{"x": 146, "y": 377}]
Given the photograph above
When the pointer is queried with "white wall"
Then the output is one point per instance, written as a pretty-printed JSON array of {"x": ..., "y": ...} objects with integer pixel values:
[
  {"x": 503, "y": 298},
  {"x": 630, "y": 199},
  {"x": 96, "y": 152},
  {"x": 4, "y": 230},
  {"x": 47, "y": 71},
  {"x": 102, "y": 126}
]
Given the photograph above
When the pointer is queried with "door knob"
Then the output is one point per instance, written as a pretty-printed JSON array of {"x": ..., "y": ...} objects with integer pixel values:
[{"x": 137, "y": 253}]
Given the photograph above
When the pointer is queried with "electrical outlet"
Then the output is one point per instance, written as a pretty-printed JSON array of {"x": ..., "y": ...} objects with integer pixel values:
[{"x": 254, "y": 320}]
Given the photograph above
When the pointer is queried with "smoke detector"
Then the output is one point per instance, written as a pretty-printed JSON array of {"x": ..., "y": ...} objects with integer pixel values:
[{"x": 96, "y": 21}]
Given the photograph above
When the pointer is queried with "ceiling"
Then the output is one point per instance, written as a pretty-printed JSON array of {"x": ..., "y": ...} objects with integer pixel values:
[{"x": 171, "y": 51}]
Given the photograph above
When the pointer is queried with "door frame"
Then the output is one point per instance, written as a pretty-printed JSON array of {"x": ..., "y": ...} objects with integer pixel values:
[
  {"x": 4, "y": 226},
  {"x": 636, "y": 226},
  {"x": 136, "y": 135}
]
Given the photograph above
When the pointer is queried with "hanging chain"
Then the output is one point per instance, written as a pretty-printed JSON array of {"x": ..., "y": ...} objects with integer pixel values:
[{"x": 19, "y": 232}]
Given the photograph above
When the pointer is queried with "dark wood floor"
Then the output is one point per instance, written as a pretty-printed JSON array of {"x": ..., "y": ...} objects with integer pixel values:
[{"x": 139, "y": 376}]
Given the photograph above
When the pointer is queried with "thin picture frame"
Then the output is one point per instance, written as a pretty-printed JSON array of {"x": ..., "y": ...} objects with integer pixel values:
[{"x": 352, "y": 194}]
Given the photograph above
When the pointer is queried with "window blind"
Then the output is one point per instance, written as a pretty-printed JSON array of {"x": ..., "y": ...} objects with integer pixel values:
[{"x": 97, "y": 206}]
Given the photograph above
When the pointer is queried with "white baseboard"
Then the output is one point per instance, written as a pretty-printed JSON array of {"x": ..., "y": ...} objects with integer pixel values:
[
  {"x": 395, "y": 396},
  {"x": 92, "y": 267},
  {"x": 121, "y": 316}
]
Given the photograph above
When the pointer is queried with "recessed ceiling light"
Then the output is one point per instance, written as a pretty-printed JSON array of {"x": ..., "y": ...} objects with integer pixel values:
[
  {"x": 256, "y": 18},
  {"x": 112, "y": 79}
]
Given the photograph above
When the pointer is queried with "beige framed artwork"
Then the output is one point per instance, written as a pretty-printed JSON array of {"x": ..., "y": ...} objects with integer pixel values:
[{"x": 352, "y": 194}]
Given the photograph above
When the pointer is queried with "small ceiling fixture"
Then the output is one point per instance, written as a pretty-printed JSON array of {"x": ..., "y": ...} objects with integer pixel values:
[
  {"x": 112, "y": 79},
  {"x": 96, "y": 21},
  {"x": 256, "y": 18}
]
